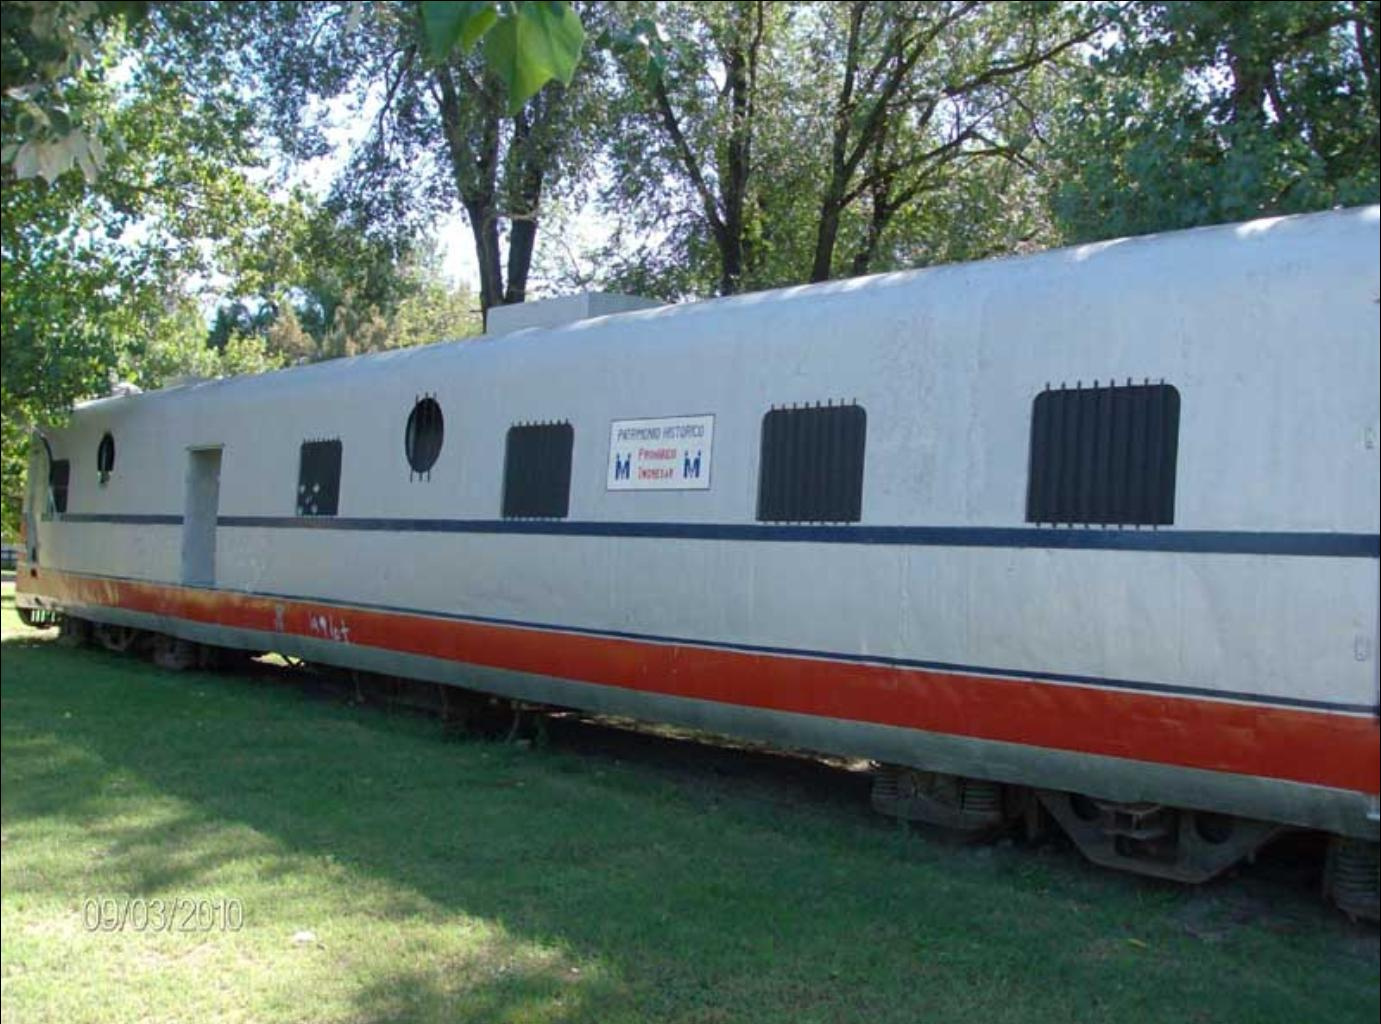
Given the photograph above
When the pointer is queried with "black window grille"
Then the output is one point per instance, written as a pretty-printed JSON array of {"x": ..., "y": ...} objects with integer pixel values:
[
  {"x": 537, "y": 471},
  {"x": 105, "y": 457},
  {"x": 318, "y": 478},
  {"x": 1104, "y": 455},
  {"x": 422, "y": 438},
  {"x": 811, "y": 467},
  {"x": 59, "y": 473}
]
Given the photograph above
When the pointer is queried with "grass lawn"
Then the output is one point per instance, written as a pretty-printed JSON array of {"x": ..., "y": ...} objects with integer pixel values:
[{"x": 389, "y": 872}]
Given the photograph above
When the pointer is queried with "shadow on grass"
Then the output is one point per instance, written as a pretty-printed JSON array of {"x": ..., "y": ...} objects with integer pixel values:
[
  {"x": 691, "y": 900},
  {"x": 519, "y": 995}
]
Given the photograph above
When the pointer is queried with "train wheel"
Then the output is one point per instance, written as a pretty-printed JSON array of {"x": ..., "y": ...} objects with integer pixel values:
[
  {"x": 73, "y": 632},
  {"x": 119, "y": 639},
  {"x": 176, "y": 655}
]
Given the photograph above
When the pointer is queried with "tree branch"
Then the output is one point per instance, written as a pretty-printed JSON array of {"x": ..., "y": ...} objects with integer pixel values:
[
  {"x": 688, "y": 158},
  {"x": 1034, "y": 60},
  {"x": 403, "y": 67}
]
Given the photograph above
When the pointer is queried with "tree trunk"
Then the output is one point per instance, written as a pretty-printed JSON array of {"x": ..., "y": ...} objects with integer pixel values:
[
  {"x": 867, "y": 249},
  {"x": 484, "y": 228},
  {"x": 832, "y": 204},
  {"x": 826, "y": 237},
  {"x": 741, "y": 72},
  {"x": 724, "y": 211},
  {"x": 522, "y": 239},
  {"x": 522, "y": 236},
  {"x": 474, "y": 167}
]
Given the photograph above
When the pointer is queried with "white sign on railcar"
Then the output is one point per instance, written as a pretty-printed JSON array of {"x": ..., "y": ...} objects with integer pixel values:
[{"x": 669, "y": 454}]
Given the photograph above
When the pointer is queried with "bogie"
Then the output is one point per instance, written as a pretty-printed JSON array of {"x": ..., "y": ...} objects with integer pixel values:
[{"x": 1152, "y": 839}]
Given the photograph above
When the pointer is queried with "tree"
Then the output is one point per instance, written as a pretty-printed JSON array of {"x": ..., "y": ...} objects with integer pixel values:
[
  {"x": 127, "y": 195},
  {"x": 51, "y": 52},
  {"x": 802, "y": 137},
  {"x": 919, "y": 89},
  {"x": 326, "y": 313},
  {"x": 702, "y": 88},
  {"x": 323, "y": 271},
  {"x": 734, "y": 38},
  {"x": 436, "y": 311},
  {"x": 85, "y": 294},
  {"x": 447, "y": 128},
  {"x": 50, "y": 44},
  {"x": 79, "y": 312},
  {"x": 105, "y": 274},
  {"x": 1199, "y": 113}
]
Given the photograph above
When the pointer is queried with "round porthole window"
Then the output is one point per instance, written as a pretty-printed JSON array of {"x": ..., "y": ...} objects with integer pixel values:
[
  {"x": 425, "y": 431},
  {"x": 105, "y": 456}
]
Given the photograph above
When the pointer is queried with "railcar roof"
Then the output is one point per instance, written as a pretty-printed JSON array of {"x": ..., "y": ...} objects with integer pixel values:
[{"x": 1052, "y": 261}]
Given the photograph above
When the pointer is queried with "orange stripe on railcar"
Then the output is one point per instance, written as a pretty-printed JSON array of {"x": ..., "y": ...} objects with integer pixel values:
[{"x": 1315, "y": 747}]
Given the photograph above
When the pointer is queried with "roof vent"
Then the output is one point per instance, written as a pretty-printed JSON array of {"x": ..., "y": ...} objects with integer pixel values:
[{"x": 566, "y": 309}]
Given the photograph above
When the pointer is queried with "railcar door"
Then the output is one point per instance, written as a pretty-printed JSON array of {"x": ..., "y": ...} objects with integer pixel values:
[{"x": 199, "y": 516}]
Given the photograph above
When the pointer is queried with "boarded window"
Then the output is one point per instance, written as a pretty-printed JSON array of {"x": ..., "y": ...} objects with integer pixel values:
[
  {"x": 811, "y": 469},
  {"x": 423, "y": 436},
  {"x": 537, "y": 471},
  {"x": 318, "y": 478},
  {"x": 1104, "y": 455},
  {"x": 105, "y": 457},
  {"x": 59, "y": 473}
]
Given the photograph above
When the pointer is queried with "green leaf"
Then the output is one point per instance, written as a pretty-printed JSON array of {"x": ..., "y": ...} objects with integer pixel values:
[
  {"x": 480, "y": 23},
  {"x": 448, "y": 24},
  {"x": 536, "y": 43},
  {"x": 656, "y": 70}
]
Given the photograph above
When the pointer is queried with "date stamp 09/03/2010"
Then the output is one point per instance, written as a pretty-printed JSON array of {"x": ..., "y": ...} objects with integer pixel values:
[{"x": 171, "y": 914}]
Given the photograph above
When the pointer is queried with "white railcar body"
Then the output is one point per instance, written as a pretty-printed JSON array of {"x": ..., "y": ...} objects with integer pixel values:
[{"x": 1226, "y": 660}]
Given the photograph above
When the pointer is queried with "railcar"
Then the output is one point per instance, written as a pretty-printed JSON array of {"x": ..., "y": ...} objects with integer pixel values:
[{"x": 1090, "y": 534}]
